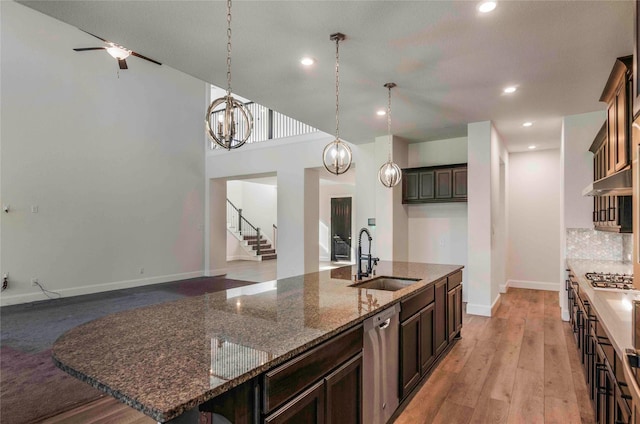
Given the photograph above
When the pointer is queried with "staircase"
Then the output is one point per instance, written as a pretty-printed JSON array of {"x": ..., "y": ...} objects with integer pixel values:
[{"x": 252, "y": 238}]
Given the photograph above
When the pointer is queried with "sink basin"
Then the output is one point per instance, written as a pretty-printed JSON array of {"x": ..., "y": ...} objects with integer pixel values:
[{"x": 386, "y": 283}]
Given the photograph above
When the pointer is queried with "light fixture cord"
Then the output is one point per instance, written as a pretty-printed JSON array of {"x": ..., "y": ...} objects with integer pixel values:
[
  {"x": 228, "y": 47},
  {"x": 389, "y": 123},
  {"x": 337, "y": 88}
]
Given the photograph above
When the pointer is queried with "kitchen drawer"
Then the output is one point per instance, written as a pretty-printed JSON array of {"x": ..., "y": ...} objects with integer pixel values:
[
  {"x": 454, "y": 280},
  {"x": 416, "y": 302},
  {"x": 289, "y": 379}
]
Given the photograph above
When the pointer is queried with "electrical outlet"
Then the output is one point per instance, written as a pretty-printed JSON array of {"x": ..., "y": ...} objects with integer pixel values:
[{"x": 34, "y": 281}]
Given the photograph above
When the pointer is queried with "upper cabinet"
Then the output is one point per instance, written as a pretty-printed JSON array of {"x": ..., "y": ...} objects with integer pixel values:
[
  {"x": 447, "y": 183},
  {"x": 618, "y": 94}
]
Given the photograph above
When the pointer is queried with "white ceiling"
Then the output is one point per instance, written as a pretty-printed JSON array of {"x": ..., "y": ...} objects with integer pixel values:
[{"x": 450, "y": 63}]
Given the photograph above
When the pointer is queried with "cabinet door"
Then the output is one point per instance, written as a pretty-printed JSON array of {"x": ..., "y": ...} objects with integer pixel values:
[
  {"x": 459, "y": 183},
  {"x": 458, "y": 304},
  {"x": 409, "y": 354},
  {"x": 612, "y": 131},
  {"x": 426, "y": 185},
  {"x": 427, "y": 351},
  {"x": 410, "y": 186},
  {"x": 344, "y": 393},
  {"x": 621, "y": 130},
  {"x": 440, "y": 316},
  {"x": 443, "y": 184},
  {"x": 308, "y": 407},
  {"x": 451, "y": 314}
]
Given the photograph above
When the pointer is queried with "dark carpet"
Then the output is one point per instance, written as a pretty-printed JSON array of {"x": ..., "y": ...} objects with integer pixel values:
[{"x": 31, "y": 387}]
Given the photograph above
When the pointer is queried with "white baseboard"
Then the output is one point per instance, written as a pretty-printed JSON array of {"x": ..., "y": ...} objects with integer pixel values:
[
  {"x": 496, "y": 305},
  {"x": 6, "y": 299},
  {"x": 533, "y": 285},
  {"x": 565, "y": 314},
  {"x": 483, "y": 310},
  {"x": 243, "y": 258},
  {"x": 215, "y": 272}
]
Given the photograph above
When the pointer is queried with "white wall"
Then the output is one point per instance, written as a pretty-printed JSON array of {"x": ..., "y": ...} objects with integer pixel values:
[
  {"x": 114, "y": 165},
  {"x": 486, "y": 213},
  {"x": 534, "y": 219},
  {"x": 437, "y": 233}
]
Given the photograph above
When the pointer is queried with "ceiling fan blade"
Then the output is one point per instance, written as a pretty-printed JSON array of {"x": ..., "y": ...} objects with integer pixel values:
[
  {"x": 123, "y": 64},
  {"x": 89, "y": 48},
  {"x": 93, "y": 35},
  {"x": 145, "y": 58}
]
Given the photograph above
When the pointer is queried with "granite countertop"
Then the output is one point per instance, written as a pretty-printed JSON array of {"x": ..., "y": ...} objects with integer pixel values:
[
  {"x": 167, "y": 359},
  {"x": 614, "y": 310}
]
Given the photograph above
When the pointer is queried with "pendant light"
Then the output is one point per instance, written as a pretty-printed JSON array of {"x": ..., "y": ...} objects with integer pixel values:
[
  {"x": 390, "y": 174},
  {"x": 224, "y": 130},
  {"x": 336, "y": 156}
]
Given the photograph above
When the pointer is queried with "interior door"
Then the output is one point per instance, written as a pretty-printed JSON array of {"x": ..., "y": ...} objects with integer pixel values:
[{"x": 341, "y": 229}]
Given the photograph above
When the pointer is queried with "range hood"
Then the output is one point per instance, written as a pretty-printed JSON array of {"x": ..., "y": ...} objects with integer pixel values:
[{"x": 618, "y": 184}]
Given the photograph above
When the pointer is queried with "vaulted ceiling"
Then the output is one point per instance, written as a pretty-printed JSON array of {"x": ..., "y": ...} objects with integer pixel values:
[{"x": 449, "y": 61}]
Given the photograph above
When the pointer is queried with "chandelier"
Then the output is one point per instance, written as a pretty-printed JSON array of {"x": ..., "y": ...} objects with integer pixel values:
[
  {"x": 389, "y": 173},
  {"x": 224, "y": 130},
  {"x": 336, "y": 155}
]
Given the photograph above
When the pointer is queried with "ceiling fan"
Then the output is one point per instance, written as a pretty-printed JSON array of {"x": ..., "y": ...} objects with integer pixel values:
[{"x": 117, "y": 51}]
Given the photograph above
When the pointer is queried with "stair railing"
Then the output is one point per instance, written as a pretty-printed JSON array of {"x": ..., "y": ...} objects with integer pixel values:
[
  {"x": 244, "y": 227},
  {"x": 275, "y": 236}
]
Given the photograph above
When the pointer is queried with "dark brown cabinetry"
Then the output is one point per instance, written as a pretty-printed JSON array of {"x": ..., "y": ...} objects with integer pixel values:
[
  {"x": 602, "y": 366},
  {"x": 610, "y": 213},
  {"x": 440, "y": 316},
  {"x": 447, "y": 183},
  {"x": 323, "y": 385},
  {"x": 612, "y": 152},
  {"x": 617, "y": 95},
  {"x": 424, "y": 329}
]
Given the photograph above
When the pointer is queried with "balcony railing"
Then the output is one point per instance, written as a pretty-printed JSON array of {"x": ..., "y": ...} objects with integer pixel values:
[{"x": 267, "y": 125}]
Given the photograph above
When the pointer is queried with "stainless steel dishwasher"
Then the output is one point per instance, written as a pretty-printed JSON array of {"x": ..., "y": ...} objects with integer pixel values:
[{"x": 380, "y": 366}]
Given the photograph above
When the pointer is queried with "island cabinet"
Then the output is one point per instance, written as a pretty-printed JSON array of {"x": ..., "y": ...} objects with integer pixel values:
[
  {"x": 322, "y": 385},
  {"x": 454, "y": 305},
  {"x": 447, "y": 183},
  {"x": 424, "y": 325}
]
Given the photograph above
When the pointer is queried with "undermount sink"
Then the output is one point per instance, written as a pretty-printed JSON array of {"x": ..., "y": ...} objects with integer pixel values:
[{"x": 386, "y": 283}]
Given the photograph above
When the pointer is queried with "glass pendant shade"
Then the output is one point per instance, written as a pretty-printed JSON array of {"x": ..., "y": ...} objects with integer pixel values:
[
  {"x": 390, "y": 174},
  {"x": 336, "y": 157}
]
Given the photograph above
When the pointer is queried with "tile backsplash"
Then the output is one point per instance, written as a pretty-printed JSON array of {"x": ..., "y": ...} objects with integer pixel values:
[{"x": 584, "y": 243}]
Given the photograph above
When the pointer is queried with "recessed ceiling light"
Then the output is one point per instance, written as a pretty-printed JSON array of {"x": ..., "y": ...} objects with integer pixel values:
[
  {"x": 510, "y": 90},
  {"x": 307, "y": 61},
  {"x": 527, "y": 124},
  {"x": 487, "y": 6},
  {"x": 381, "y": 112},
  {"x": 532, "y": 147}
]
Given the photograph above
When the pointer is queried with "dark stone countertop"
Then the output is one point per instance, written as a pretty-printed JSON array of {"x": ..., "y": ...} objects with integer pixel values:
[{"x": 167, "y": 359}]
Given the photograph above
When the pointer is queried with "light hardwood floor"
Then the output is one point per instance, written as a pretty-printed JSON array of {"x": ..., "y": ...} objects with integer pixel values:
[{"x": 520, "y": 366}]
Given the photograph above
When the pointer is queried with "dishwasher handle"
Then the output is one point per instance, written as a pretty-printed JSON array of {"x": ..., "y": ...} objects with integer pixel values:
[{"x": 385, "y": 324}]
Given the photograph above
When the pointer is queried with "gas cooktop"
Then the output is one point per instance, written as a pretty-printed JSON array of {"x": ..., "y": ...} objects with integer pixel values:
[{"x": 602, "y": 280}]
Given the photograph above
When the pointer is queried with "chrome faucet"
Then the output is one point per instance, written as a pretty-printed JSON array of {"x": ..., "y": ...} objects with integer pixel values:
[{"x": 371, "y": 261}]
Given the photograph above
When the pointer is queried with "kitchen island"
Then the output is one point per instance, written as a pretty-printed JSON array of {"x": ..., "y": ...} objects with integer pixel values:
[{"x": 167, "y": 360}]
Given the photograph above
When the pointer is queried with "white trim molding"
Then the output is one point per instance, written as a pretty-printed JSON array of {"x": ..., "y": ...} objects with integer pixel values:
[
  {"x": 533, "y": 285},
  {"x": 482, "y": 310},
  {"x": 97, "y": 288}
]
